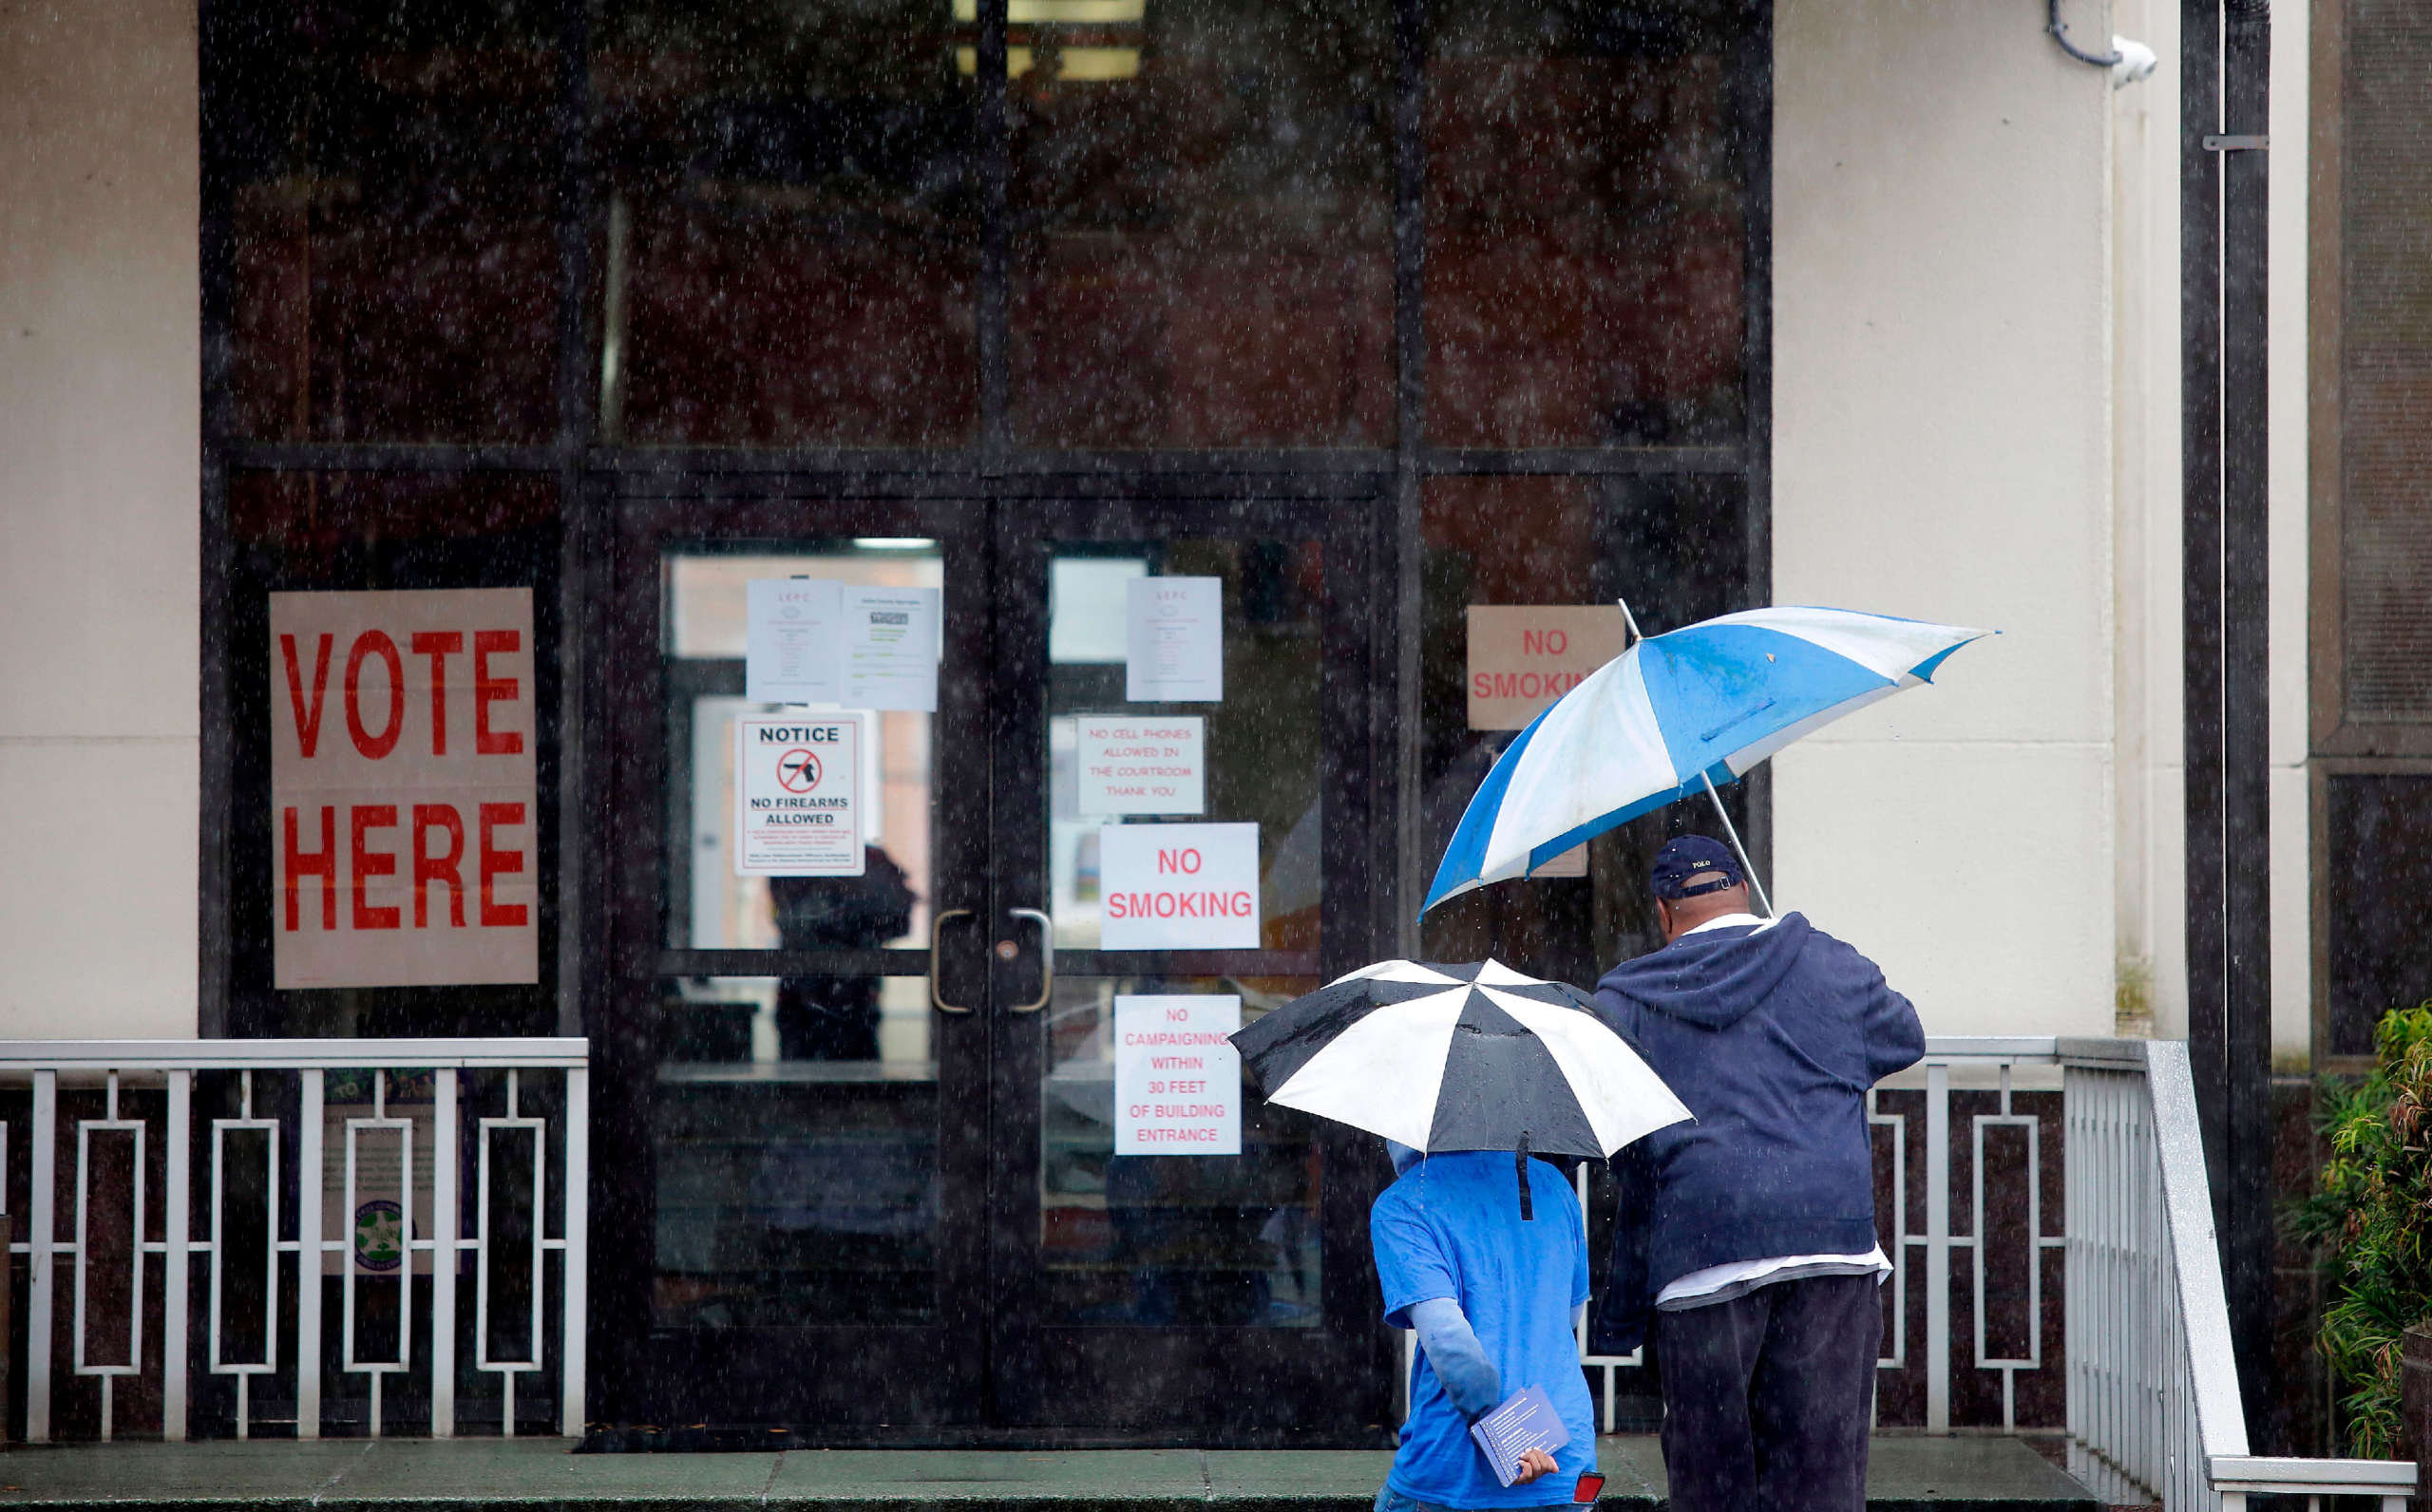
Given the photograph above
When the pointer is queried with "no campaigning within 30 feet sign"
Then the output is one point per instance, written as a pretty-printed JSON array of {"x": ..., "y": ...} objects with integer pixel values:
[{"x": 401, "y": 788}]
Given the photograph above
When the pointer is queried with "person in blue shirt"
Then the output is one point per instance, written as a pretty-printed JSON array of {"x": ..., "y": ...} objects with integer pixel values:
[{"x": 1495, "y": 1298}]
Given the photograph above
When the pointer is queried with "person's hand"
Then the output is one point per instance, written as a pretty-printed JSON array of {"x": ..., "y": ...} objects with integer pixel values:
[{"x": 1533, "y": 1463}]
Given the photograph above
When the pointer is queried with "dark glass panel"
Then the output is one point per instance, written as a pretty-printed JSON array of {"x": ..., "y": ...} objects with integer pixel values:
[
  {"x": 1265, "y": 741},
  {"x": 789, "y": 246},
  {"x": 1226, "y": 1240},
  {"x": 2379, "y": 842},
  {"x": 797, "y": 1139},
  {"x": 1201, "y": 202},
  {"x": 395, "y": 177},
  {"x": 706, "y": 902},
  {"x": 356, "y": 531},
  {"x": 1673, "y": 547},
  {"x": 1585, "y": 231}
]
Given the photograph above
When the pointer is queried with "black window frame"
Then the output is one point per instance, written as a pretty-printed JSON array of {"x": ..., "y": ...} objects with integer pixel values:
[{"x": 590, "y": 478}]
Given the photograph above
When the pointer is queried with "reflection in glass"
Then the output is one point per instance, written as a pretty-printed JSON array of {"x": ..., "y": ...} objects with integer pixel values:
[
  {"x": 1180, "y": 1240},
  {"x": 707, "y": 906},
  {"x": 1264, "y": 741},
  {"x": 1674, "y": 548},
  {"x": 392, "y": 221},
  {"x": 1586, "y": 251},
  {"x": 795, "y": 1186},
  {"x": 790, "y": 244},
  {"x": 1201, "y": 203}
]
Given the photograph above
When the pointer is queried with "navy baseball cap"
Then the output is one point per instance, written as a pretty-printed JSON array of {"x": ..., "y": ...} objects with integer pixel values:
[{"x": 1690, "y": 865}]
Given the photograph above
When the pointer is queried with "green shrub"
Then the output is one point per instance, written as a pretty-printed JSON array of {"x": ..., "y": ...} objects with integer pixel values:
[{"x": 2373, "y": 1212}]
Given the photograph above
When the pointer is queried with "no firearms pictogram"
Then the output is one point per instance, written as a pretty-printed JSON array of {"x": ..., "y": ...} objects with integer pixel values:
[{"x": 798, "y": 771}]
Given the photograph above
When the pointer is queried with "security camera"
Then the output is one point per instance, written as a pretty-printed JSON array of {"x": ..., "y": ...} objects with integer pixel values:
[{"x": 2132, "y": 61}]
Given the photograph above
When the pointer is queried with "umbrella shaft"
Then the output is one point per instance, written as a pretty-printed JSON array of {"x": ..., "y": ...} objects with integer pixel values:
[{"x": 1737, "y": 849}]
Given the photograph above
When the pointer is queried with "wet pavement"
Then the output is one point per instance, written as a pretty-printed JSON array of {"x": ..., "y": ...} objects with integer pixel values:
[{"x": 1986, "y": 1474}]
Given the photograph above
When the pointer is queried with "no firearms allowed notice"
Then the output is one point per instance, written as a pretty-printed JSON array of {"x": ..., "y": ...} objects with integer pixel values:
[{"x": 797, "y": 790}]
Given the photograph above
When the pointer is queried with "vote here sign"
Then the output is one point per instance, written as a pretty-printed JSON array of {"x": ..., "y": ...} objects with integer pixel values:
[
  {"x": 1178, "y": 887},
  {"x": 402, "y": 809}
]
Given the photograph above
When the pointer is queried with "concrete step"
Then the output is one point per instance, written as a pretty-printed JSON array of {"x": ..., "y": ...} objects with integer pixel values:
[{"x": 541, "y": 1475}]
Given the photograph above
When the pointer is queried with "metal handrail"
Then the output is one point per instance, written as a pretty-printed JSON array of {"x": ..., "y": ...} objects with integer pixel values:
[
  {"x": 534, "y": 1054},
  {"x": 2197, "y": 1450}
]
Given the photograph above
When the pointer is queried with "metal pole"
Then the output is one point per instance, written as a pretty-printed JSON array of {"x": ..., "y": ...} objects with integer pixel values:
[
  {"x": 2246, "y": 695},
  {"x": 1737, "y": 848},
  {"x": 2200, "y": 555}
]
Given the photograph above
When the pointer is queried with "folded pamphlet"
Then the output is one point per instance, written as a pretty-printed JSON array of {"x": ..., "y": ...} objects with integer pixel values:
[{"x": 1527, "y": 1420}]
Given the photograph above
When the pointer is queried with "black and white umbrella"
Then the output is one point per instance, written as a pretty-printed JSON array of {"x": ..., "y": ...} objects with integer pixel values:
[{"x": 1467, "y": 1057}]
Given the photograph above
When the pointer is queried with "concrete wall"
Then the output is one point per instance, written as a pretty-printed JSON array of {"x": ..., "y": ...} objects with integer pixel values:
[
  {"x": 1942, "y": 450},
  {"x": 99, "y": 437}
]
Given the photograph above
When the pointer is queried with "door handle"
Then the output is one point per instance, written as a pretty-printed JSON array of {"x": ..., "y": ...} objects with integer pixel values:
[
  {"x": 1046, "y": 957},
  {"x": 935, "y": 923}
]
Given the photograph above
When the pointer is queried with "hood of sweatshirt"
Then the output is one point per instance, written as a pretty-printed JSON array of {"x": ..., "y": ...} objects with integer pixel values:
[{"x": 1715, "y": 978}]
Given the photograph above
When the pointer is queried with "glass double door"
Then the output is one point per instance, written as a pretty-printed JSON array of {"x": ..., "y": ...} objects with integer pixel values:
[{"x": 916, "y": 1115}]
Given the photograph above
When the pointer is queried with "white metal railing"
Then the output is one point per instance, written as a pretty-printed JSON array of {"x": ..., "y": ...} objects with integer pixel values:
[
  {"x": 2151, "y": 1381},
  {"x": 2154, "y": 1404},
  {"x": 147, "y": 1089},
  {"x": 1976, "y": 1059}
]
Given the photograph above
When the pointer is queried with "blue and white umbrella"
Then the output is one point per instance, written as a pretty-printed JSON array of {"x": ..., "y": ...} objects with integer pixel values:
[{"x": 1676, "y": 714}]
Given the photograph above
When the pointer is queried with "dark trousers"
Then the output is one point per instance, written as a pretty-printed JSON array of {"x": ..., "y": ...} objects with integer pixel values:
[{"x": 1766, "y": 1397}]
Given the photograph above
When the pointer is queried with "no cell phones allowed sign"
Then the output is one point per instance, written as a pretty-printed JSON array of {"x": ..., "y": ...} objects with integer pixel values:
[{"x": 797, "y": 787}]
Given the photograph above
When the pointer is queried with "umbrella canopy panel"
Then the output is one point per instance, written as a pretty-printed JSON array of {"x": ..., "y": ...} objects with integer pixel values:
[{"x": 1458, "y": 1057}]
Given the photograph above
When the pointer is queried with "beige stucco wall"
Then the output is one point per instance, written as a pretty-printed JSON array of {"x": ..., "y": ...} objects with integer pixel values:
[
  {"x": 1942, "y": 450},
  {"x": 99, "y": 431}
]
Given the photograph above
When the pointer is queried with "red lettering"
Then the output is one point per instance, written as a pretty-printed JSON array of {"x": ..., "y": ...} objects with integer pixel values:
[
  {"x": 429, "y": 868},
  {"x": 439, "y": 645},
  {"x": 496, "y": 862},
  {"x": 1544, "y": 642},
  {"x": 363, "y": 818},
  {"x": 375, "y": 643},
  {"x": 488, "y": 690},
  {"x": 1480, "y": 686},
  {"x": 1187, "y": 859},
  {"x": 308, "y": 723},
  {"x": 1240, "y": 906},
  {"x": 323, "y": 864}
]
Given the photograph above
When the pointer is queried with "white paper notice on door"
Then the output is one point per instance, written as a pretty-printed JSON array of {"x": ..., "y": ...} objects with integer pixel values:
[
  {"x": 1177, "y": 1077},
  {"x": 797, "y": 796},
  {"x": 791, "y": 640},
  {"x": 1178, "y": 887},
  {"x": 890, "y": 648},
  {"x": 1174, "y": 645},
  {"x": 1142, "y": 764}
]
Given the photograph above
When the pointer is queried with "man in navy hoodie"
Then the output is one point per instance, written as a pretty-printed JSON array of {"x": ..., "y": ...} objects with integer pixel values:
[{"x": 1746, "y": 1245}]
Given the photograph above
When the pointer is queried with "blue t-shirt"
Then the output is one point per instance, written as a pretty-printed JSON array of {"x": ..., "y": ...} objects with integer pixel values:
[{"x": 1452, "y": 1227}]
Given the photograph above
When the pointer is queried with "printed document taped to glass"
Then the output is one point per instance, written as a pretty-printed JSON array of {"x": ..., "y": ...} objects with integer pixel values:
[
  {"x": 797, "y": 796},
  {"x": 1177, "y": 1077}
]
